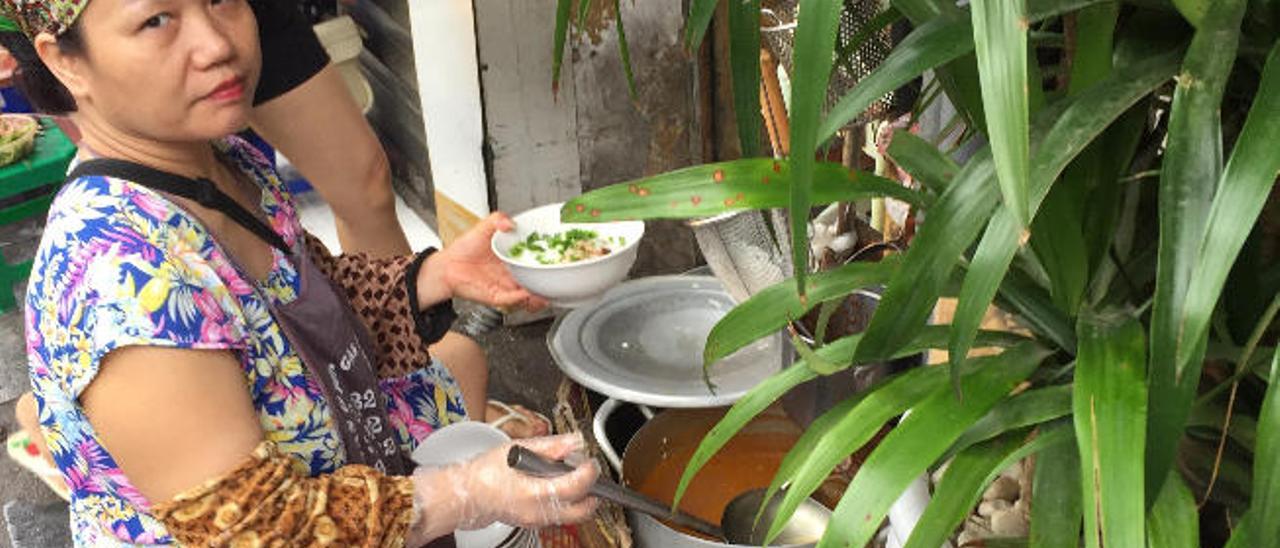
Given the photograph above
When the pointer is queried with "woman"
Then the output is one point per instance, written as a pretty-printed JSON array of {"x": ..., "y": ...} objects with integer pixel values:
[{"x": 182, "y": 333}]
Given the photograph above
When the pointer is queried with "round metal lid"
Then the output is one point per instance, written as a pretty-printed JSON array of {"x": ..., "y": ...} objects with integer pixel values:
[{"x": 643, "y": 342}]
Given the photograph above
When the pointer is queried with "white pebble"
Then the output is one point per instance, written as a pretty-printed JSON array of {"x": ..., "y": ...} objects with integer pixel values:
[
  {"x": 1003, "y": 489},
  {"x": 1009, "y": 523},
  {"x": 989, "y": 507}
]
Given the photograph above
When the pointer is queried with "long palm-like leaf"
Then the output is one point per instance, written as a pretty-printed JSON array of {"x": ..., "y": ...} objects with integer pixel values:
[
  {"x": 1057, "y": 234},
  {"x": 744, "y": 65},
  {"x": 1087, "y": 115},
  {"x": 1173, "y": 521},
  {"x": 1056, "y": 494},
  {"x": 954, "y": 221},
  {"x": 771, "y": 308},
  {"x": 700, "y": 14},
  {"x": 956, "y": 496},
  {"x": 1027, "y": 409},
  {"x": 918, "y": 441},
  {"x": 815, "y": 39},
  {"x": 563, "y": 11},
  {"x": 1110, "y": 404},
  {"x": 934, "y": 43},
  {"x": 922, "y": 160},
  {"x": 1000, "y": 39},
  {"x": 840, "y": 351},
  {"x": 1246, "y": 182},
  {"x": 710, "y": 189},
  {"x": 1191, "y": 167},
  {"x": 1266, "y": 463},
  {"x": 960, "y": 489},
  {"x": 624, "y": 49}
]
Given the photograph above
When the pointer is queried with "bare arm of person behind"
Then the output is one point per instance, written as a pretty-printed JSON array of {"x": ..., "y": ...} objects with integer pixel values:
[
  {"x": 319, "y": 127},
  {"x": 181, "y": 426}
]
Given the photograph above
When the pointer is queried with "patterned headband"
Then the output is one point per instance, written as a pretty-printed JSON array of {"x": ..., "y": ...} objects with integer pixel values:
[{"x": 33, "y": 17}]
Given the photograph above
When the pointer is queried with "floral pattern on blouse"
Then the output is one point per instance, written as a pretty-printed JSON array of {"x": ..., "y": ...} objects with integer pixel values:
[{"x": 121, "y": 265}]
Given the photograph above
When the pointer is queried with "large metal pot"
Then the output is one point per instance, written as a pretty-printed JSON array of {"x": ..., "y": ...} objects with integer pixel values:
[{"x": 656, "y": 456}]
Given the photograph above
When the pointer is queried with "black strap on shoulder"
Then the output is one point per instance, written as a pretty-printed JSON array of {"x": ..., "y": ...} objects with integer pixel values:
[{"x": 201, "y": 191}]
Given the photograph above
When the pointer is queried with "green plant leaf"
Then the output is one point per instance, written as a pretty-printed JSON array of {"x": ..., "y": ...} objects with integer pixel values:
[
  {"x": 815, "y": 37},
  {"x": 953, "y": 223},
  {"x": 1191, "y": 166},
  {"x": 1265, "y": 507},
  {"x": 1110, "y": 404},
  {"x": 986, "y": 271},
  {"x": 751, "y": 404},
  {"x": 563, "y": 9},
  {"x": 770, "y": 309},
  {"x": 1020, "y": 295},
  {"x": 768, "y": 391},
  {"x": 700, "y": 14},
  {"x": 1193, "y": 10},
  {"x": 584, "y": 7},
  {"x": 1000, "y": 40},
  {"x": 1029, "y": 408},
  {"x": 1056, "y": 494},
  {"x": 1246, "y": 182},
  {"x": 961, "y": 488},
  {"x": 1083, "y": 119},
  {"x": 1057, "y": 234},
  {"x": 844, "y": 429},
  {"x": 1174, "y": 521},
  {"x": 711, "y": 189},
  {"x": 955, "y": 498},
  {"x": 1242, "y": 535},
  {"x": 744, "y": 64},
  {"x": 922, "y": 160},
  {"x": 917, "y": 442},
  {"x": 936, "y": 42},
  {"x": 624, "y": 50}
]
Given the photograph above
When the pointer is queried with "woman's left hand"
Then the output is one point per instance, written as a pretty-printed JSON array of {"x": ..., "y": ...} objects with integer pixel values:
[{"x": 468, "y": 269}]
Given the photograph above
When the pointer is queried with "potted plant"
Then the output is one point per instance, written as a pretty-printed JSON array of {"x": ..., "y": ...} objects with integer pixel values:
[{"x": 1115, "y": 209}]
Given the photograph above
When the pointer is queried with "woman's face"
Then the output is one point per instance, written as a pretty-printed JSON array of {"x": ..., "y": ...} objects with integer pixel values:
[{"x": 169, "y": 70}]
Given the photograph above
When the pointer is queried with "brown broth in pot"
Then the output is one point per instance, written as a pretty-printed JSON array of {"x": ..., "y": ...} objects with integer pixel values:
[{"x": 656, "y": 459}]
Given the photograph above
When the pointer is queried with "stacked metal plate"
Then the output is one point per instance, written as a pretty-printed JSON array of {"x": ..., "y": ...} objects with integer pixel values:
[{"x": 643, "y": 343}]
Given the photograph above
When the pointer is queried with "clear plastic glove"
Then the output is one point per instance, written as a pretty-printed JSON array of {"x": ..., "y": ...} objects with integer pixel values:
[{"x": 478, "y": 492}]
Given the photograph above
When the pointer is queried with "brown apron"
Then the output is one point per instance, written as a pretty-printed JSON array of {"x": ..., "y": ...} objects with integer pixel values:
[{"x": 319, "y": 323}]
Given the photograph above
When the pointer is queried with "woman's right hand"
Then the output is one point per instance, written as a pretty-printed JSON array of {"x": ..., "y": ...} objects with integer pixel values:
[{"x": 484, "y": 490}]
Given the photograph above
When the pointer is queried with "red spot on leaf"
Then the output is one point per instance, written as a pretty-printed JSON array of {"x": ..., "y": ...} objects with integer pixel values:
[
  {"x": 728, "y": 202},
  {"x": 633, "y": 189},
  {"x": 777, "y": 167},
  {"x": 581, "y": 208},
  {"x": 765, "y": 180},
  {"x": 595, "y": 213},
  {"x": 718, "y": 176},
  {"x": 696, "y": 200},
  {"x": 643, "y": 192}
]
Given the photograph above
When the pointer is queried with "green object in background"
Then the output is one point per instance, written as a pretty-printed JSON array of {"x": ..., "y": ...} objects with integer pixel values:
[{"x": 27, "y": 188}]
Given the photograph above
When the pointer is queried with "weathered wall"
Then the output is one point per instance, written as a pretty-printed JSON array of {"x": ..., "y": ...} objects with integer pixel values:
[
  {"x": 621, "y": 139},
  {"x": 593, "y": 134},
  {"x": 531, "y": 135}
]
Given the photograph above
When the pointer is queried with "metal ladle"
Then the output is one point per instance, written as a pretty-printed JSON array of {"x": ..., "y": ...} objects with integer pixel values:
[{"x": 738, "y": 520}]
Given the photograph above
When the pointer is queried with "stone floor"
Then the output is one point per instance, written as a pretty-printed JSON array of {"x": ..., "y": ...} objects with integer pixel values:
[{"x": 521, "y": 371}]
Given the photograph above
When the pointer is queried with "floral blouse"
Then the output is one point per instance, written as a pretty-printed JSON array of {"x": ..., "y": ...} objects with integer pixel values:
[{"x": 121, "y": 265}]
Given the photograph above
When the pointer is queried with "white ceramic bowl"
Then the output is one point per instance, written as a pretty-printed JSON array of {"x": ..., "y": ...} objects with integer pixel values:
[
  {"x": 574, "y": 284},
  {"x": 456, "y": 443}
]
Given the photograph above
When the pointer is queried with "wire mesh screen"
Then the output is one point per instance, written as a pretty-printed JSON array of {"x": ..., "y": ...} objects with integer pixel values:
[{"x": 852, "y": 64}]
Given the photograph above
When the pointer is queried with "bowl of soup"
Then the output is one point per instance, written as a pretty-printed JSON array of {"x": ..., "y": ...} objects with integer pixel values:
[{"x": 569, "y": 264}]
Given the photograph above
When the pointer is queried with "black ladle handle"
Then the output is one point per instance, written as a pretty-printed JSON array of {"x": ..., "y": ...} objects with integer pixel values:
[{"x": 524, "y": 460}]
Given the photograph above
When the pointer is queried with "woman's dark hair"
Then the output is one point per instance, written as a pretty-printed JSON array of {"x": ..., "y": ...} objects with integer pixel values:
[{"x": 34, "y": 79}]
